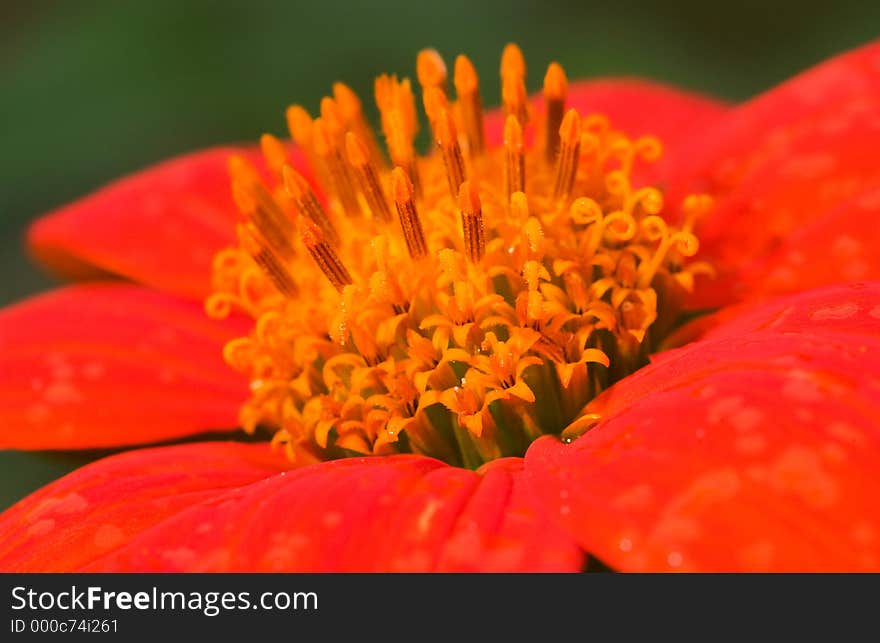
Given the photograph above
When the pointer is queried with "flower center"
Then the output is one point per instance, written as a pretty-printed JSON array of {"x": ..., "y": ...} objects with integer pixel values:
[{"x": 457, "y": 304}]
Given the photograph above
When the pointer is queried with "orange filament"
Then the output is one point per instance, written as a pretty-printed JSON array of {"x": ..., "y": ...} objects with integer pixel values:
[
  {"x": 555, "y": 90},
  {"x": 467, "y": 88},
  {"x": 397, "y": 109},
  {"x": 472, "y": 222},
  {"x": 327, "y": 150},
  {"x": 569, "y": 151},
  {"x": 359, "y": 157},
  {"x": 473, "y": 324},
  {"x": 515, "y": 167},
  {"x": 404, "y": 200},
  {"x": 447, "y": 141}
]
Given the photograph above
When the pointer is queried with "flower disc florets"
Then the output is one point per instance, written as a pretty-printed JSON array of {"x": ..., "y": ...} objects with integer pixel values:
[{"x": 458, "y": 304}]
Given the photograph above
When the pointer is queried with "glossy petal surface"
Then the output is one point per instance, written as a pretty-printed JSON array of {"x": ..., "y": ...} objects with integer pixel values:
[
  {"x": 227, "y": 507},
  {"x": 113, "y": 364},
  {"x": 755, "y": 449},
  {"x": 159, "y": 227},
  {"x": 100, "y": 507},
  {"x": 795, "y": 177}
]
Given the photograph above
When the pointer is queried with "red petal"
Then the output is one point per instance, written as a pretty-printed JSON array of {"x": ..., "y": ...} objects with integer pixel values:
[
  {"x": 837, "y": 244},
  {"x": 160, "y": 227},
  {"x": 756, "y": 449},
  {"x": 780, "y": 165},
  {"x": 720, "y": 157},
  {"x": 105, "y": 365},
  {"x": 102, "y": 506},
  {"x": 401, "y": 513}
]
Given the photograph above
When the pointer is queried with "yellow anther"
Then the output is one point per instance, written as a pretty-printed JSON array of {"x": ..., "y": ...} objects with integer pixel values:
[
  {"x": 515, "y": 165},
  {"x": 514, "y": 98},
  {"x": 254, "y": 201},
  {"x": 513, "y": 63},
  {"x": 328, "y": 150},
  {"x": 307, "y": 202},
  {"x": 447, "y": 141},
  {"x": 555, "y": 90},
  {"x": 274, "y": 153},
  {"x": 569, "y": 152},
  {"x": 472, "y": 222},
  {"x": 430, "y": 69},
  {"x": 263, "y": 255},
  {"x": 365, "y": 170},
  {"x": 404, "y": 200},
  {"x": 467, "y": 88},
  {"x": 324, "y": 256},
  {"x": 352, "y": 114},
  {"x": 299, "y": 123}
]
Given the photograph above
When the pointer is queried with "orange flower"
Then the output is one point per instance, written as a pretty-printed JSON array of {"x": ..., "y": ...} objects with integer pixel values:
[{"x": 418, "y": 333}]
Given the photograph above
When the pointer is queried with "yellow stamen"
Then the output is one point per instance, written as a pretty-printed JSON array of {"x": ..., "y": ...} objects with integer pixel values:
[
  {"x": 352, "y": 114},
  {"x": 431, "y": 70},
  {"x": 274, "y": 153},
  {"x": 260, "y": 208},
  {"x": 359, "y": 158},
  {"x": 263, "y": 255},
  {"x": 324, "y": 255},
  {"x": 399, "y": 124},
  {"x": 307, "y": 203},
  {"x": 513, "y": 63},
  {"x": 401, "y": 148},
  {"x": 447, "y": 142},
  {"x": 513, "y": 83},
  {"x": 555, "y": 90},
  {"x": 404, "y": 199},
  {"x": 472, "y": 222},
  {"x": 569, "y": 151},
  {"x": 515, "y": 167},
  {"x": 300, "y": 125},
  {"x": 327, "y": 149},
  {"x": 514, "y": 98},
  {"x": 435, "y": 103},
  {"x": 467, "y": 88}
]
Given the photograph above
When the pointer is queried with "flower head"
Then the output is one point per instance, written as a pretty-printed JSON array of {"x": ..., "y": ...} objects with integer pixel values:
[
  {"x": 468, "y": 304},
  {"x": 459, "y": 303}
]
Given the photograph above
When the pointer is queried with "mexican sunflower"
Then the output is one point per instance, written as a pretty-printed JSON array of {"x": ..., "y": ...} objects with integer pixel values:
[{"x": 613, "y": 322}]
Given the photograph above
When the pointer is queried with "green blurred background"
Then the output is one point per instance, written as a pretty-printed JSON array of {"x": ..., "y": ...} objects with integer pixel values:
[{"x": 93, "y": 90}]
